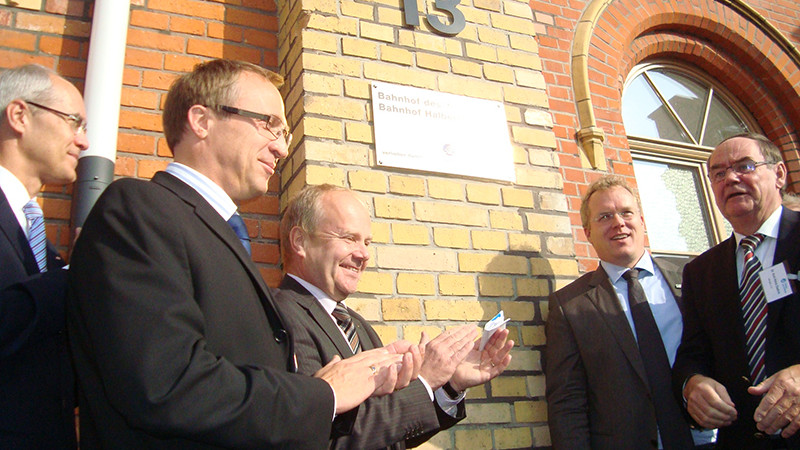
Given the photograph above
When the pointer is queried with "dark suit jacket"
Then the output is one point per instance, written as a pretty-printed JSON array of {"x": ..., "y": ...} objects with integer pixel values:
[
  {"x": 37, "y": 385},
  {"x": 597, "y": 391},
  {"x": 713, "y": 341},
  {"x": 175, "y": 336},
  {"x": 405, "y": 418}
]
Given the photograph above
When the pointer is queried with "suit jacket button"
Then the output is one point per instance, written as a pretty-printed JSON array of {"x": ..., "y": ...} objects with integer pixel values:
[{"x": 280, "y": 336}]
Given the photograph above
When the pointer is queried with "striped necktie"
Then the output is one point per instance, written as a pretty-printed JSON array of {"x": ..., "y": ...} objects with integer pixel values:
[
  {"x": 36, "y": 234},
  {"x": 345, "y": 322},
  {"x": 754, "y": 308}
]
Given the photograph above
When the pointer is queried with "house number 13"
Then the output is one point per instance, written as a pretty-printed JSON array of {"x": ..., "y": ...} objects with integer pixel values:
[{"x": 449, "y": 6}]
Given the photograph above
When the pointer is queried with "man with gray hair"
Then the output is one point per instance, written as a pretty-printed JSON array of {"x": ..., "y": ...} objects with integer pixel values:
[{"x": 42, "y": 132}]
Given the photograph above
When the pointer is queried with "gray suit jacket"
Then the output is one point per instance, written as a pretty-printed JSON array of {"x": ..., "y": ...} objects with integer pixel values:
[
  {"x": 597, "y": 391},
  {"x": 405, "y": 418}
]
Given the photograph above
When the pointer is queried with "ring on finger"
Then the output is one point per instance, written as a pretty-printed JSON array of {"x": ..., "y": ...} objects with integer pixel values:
[{"x": 373, "y": 369}]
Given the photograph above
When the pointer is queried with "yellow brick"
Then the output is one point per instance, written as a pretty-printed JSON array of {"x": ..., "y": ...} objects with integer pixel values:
[
  {"x": 514, "y": 115},
  {"x": 393, "y": 74},
  {"x": 326, "y": 6},
  {"x": 456, "y": 84},
  {"x": 370, "y": 308},
  {"x": 416, "y": 283},
  {"x": 416, "y": 258},
  {"x": 396, "y": 55},
  {"x": 545, "y": 158},
  {"x": 566, "y": 267},
  {"x": 334, "y": 24},
  {"x": 522, "y": 42},
  {"x": 392, "y": 208},
  {"x": 328, "y": 151},
  {"x": 469, "y": 68},
  {"x": 532, "y": 287},
  {"x": 428, "y": 41},
  {"x": 412, "y": 333},
  {"x": 445, "y": 189},
  {"x": 405, "y": 38},
  {"x": 457, "y": 285},
  {"x": 448, "y": 213},
  {"x": 481, "y": 52},
  {"x": 489, "y": 240},
  {"x": 314, "y": 40},
  {"x": 524, "y": 242},
  {"x": 553, "y": 201},
  {"x": 473, "y": 438},
  {"x": 387, "y": 334},
  {"x": 399, "y": 184},
  {"x": 380, "y": 232},
  {"x": 357, "y": 89},
  {"x": 492, "y": 36},
  {"x": 497, "y": 72},
  {"x": 410, "y": 234},
  {"x": 491, "y": 5},
  {"x": 531, "y": 79},
  {"x": 344, "y": 108},
  {"x": 488, "y": 413},
  {"x": 376, "y": 283},
  {"x": 321, "y": 84},
  {"x": 367, "y": 180},
  {"x": 331, "y": 64},
  {"x": 517, "y": 437},
  {"x": 536, "y": 385},
  {"x": 521, "y": 310},
  {"x": 358, "y": 132},
  {"x": 517, "y": 197},
  {"x": 477, "y": 392},
  {"x": 461, "y": 310},
  {"x": 541, "y": 436},
  {"x": 525, "y": 360},
  {"x": 508, "y": 23},
  {"x": 324, "y": 128},
  {"x": 509, "y": 386},
  {"x": 377, "y": 32},
  {"x": 391, "y": 16},
  {"x": 359, "y": 47},
  {"x": 492, "y": 263},
  {"x": 530, "y": 176},
  {"x": 451, "y": 237},
  {"x": 321, "y": 175},
  {"x": 453, "y": 47},
  {"x": 525, "y": 96},
  {"x": 481, "y": 193},
  {"x": 560, "y": 283},
  {"x": 433, "y": 62},
  {"x": 518, "y": 58},
  {"x": 533, "y": 335},
  {"x": 505, "y": 220},
  {"x": 359, "y": 10},
  {"x": 476, "y": 17},
  {"x": 401, "y": 308},
  {"x": 495, "y": 286},
  {"x": 562, "y": 246},
  {"x": 548, "y": 223}
]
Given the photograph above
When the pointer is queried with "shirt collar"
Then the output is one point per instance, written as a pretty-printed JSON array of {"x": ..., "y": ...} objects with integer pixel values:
[
  {"x": 327, "y": 303},
  {"x": 16, "y": 194},
  {"x": 209, "y": 190},
  {"x": 769, "y": 228},
  {"x": 615, "y": 272}
]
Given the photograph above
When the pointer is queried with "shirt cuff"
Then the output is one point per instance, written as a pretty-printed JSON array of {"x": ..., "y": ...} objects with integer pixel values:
[
  {"x": 427, "y": 387},
  {"x": 449, "y": 405}
]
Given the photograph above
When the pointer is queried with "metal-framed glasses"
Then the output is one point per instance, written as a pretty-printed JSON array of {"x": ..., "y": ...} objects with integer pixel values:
[
  {"x": 266, "y": 122},
  {"x": 608, "y": 216},
  {"x": 742, "y": 168},
  {"x": 75, "y": 121}
]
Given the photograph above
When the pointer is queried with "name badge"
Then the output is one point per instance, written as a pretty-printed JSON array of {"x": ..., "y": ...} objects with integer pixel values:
[{"x": 775, "y": 282}]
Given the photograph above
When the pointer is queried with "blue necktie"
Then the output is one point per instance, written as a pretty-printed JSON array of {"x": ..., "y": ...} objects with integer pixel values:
[
  {"x": 36, "y": 234},
  {"x": 240, "y": 229}
]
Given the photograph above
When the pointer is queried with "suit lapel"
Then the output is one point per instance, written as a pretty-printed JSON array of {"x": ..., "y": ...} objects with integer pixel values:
[
  {"x": 10, "y": 230},
  {"x": 604, "y": 297},
  {"x": 673, "y": 273},
  {"x": 787, "y": 249},
  {"x": 317, "y": 313}
]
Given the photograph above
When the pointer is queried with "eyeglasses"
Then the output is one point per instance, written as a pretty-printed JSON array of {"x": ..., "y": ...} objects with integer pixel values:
[
  {"x": 75, "y": 121},
  {"x": 264, "y": 121},
  {"x": 607, "y": 217},
  {"x": 742, "y": 168}
]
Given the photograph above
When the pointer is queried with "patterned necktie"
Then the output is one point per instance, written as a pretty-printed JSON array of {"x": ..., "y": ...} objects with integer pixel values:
[
  {"x": 36, "y": 234},
  {"x": 240, "y": 229},
  {"x": 754, "y": 308},
  {"x": 345, "y": 322},
  {"x": 672, "y": 428}
]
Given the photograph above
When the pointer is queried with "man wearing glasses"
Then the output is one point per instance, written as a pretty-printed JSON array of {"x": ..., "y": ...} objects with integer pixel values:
[
  {"x": 612, "y": 336},
  {"x": 176, "y": 338},
  {"x": 42, "y": 132},
  {"x": 737, "y": 366}
]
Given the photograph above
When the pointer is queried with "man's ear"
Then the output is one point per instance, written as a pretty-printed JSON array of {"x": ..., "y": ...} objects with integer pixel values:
[
  {"x": 297, "y": 241},
  {"x": 780, "y": 173},
  {"x": 198, "y": 120},
  {"x": 15, "y": 115}
]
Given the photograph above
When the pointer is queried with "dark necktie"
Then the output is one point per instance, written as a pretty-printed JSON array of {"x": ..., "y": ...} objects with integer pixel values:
[
  {"x": 672, "y": 427},
  {"x": 240, "y": 229},
  {"x": 36, "y": 233},
  {"x": 345, "y": 322},
  {"x": 754, "y": 308}
]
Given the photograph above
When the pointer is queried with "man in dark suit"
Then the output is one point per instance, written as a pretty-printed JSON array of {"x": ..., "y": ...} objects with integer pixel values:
[
  {"x": 743, "y": 376},
  {"x": 176, "y": 339},
  {"x": 325, "y": 232},
  {"x": 42, "y": 131},
  {"x": 607, "y": 366}
]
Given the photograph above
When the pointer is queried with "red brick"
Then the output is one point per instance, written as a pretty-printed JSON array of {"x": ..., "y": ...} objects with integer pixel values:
[
  {"x": 148, "y": 167},
  {"x": 140, "y": 120},
  {"x": 225, "y": 31},
  {"x": 148, "y": 19},
  {"x": 158, "y": 41},
  {"x": 188, "y": 7},
  {"x": 150, "y": 59},
  {"x": 215, "y": 49},
  {"x": 184, "y": 25},
  {"x": 136, "y": 143},
  {"x": 249, "y": 19},
  {"x": 157, "y": 79},
  {"x": 59, "y": 46},
  {"x": 65, "y": 7},
  {"x": 181, "y": 63},
  {"x": 125, "y": 167},
  {"x": 53, "y": 24},
  {"x": 18, "y": 40}
]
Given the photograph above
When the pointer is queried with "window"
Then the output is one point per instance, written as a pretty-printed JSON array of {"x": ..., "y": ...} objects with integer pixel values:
[{"x": 675, "y": 116}]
